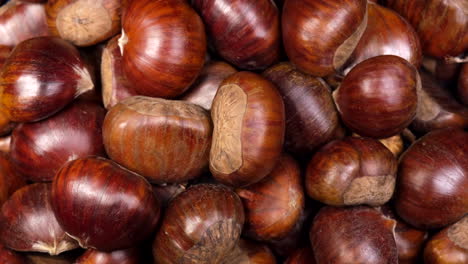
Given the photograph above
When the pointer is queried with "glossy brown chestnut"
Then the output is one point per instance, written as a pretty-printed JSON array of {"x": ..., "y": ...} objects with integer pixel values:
[
  {"x": 274, "y": 205},
  {"x": 463, "y": 84},
  {"x": 245, "y": 33},
  {"x": 319, "y": 36},
  {"x": 10, "y": 180},
  {"x": 249, "y": 123},
  {"x": 203, "y": 91},
  {"x": 27, "y": 222},
  {"x": 102, "y": 205},
  {"x": 433, "y": 180},
  {"x": 83, "y": 22},
  {"x": 166, "y": 141},
  {"x": 442, "y": 25},
  {"x": 378, "y": 97},
  {"x": 311, "y": 116},
  {"x": 41, "y": 77},
  {"x": 249, "y": 252},
  {"x": 201, "y": 225},
  {"x": 20, "y": 21},
  {"x": 353, "y": 235},
  {"x": 124, "y": 256},
  {"x": 10, "y": 257},
  {"x": 163, "y": 45},
  {"x": 387, "y": 33},
  {"x": 302, "y": 256},
  {"x": 449, "y": 246}
]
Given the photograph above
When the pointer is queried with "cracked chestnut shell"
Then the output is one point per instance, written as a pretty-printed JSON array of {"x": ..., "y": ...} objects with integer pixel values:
[{"x": 124, "y": 256}]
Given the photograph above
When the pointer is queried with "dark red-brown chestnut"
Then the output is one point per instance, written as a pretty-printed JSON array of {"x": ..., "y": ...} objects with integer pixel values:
[
  {"x": 40, "y": 149},
  {"x": 10, "y": 180},
  {"x": 102, "y": 205},
  {"x": 10, "y": 257},
  {"x": 245, "y": 33},
  {"x": 166, "y": 141},
  {"x": 441, "y": 69},
  {"x": 378, "y": 97},
  {"x": 201, "y": 225},
  {"x": 249, "y": 252},
  {"x": 27, "y": 222},
  {"x": 167, "y": 192},
  {"x": 394, "y": 143},
  {"x": 249, "y": 123},
  {"x": 302, "y": 255},
  {"x": 124, "y": 256},
  {"x": 432, "y": 186},
  {"x": 319, "y": 36},
  {"x": 463, "y": 84},
  {"x": 163, "y": 45},
  {"x": 353, "y": 235}
]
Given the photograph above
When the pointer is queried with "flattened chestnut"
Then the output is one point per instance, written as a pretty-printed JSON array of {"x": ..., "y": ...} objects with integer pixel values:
[
  {"x": 102, "y": 205},
  {"x": 124, "y": 256}
]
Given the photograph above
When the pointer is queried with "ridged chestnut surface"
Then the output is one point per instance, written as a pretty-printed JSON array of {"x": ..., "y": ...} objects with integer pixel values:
[
  {"x": 463, "y": 84},
  {"x": 319, "y": 36},
  {"x": 353, "y": 235},
  {"x": 302, "y": 256},
  {"x": 352, "y": 171},
  {"x": 249, "y": 123},
  {"x": 41, "y": 77},
  {"x": 245, "y": 33},
  {"x": 27, "y": 222},
  {"x": 102, "y": 205},
  {"x": 10, "y": 257},
  {"x": 249, "y": 252},
  {"x": 40, "y": 149},
  {"x": 201, "y": 225},
  {"x": 10, "y": 180},
  {"x": 433, "y": 179},
  {"x": 274, "y": 205},
  {"x": 311, "y": 116},
  {"x": 166, "y": 141},
  {"x": 124, "y": 256},
  {"x": 163, "y": 45},
  {"x": 378, "y": 97}
]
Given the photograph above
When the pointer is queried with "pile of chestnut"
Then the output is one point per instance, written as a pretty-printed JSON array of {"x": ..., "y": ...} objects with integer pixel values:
[{"x": 234, "y": 132}]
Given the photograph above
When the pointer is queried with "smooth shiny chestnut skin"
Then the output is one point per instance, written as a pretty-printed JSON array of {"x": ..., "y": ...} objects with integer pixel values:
[
  {"x": 302, "y": 256},
  {"x": 378, "y": 97},
  {"x": 463, "y": 84},
  {"x": 203, "y": 90},
  {"x": 432, "y": 182},
  {"x": 124, "y": 256},
  {"x": 10, "y": 257},
  {"x": 27, "y": 222},
  {"x": 163, "y": 45},
  {"x": 353, "y": 235},
  {"x": 274, "y": 205},
  {"x": 449, "y": 246},
  {"x": 249, "y": 252},
  {"x": 10, "y": 180},
  {"x": 40, "y": 149},
  {"x": 352, "y": 171},
  {"x": 42, "y": 76},
  {"x": 311, "y": 116},
  {"x": 201, "y": 225},
  {"x": 166, "y": 141},
  {"x": 319, "y": 36},
  {"x": 245, "y": 33},
  {"x": 249, "y": 123},
  {"x": 102, "y": 205}
]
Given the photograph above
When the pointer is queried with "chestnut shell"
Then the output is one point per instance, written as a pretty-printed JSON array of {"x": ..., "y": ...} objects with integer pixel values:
[{"x": 124, "y": 256}]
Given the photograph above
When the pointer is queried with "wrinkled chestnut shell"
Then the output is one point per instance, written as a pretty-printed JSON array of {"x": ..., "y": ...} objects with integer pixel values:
[
  {"x": 150, "y": 57},
  {"x": 353, "y": 235},
  {"x": 124, "y": 256},
  {"x": 433, "y": 180},
  {"x": 10, "y": 257},
  {"x": 249, "y": 252},
  {"x": 201, "y": 225},
  {"x": 27, "y": 222},
  {"x": 53, "y": 72},
  {"x": 103, "y": 205},
  {"x": 245, "y": 33},
  {"x": 40, "y": 149},
  {"x": 365, "y": 102},
  {"x": 302, "y": 256},
  {"x": 10, "y": 180},
  {"x": 311, "y": 116},
  {"x": 463, "y": 84}
]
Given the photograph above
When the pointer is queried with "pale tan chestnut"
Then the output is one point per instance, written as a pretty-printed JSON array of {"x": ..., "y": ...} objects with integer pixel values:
[
  {"x": 164, "y": 140},
  {"x": 249, "y": 124}
]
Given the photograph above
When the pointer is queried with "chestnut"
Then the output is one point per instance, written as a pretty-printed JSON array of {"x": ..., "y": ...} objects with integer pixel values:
[
  {"x": 302, "y": 256},
  {"x": 53, "y": 72},
  {"x": 40, "y": 149},
  {"x": 449, "y": 245},
  {"x": 394, "y": 143},
  {"x": 463, "y": 84},
  {"x": 311, "y": 116},
  {"x": 433, "y": 179},
  {"x": 201, "y": 225},
  {"x": 203, "y": 90},
  {"x": 378, "y": 97},
  {"x": 274, "y": 205},
  {"x": 27, "y": 222},
  {"x": 154, "y": 137},
  {"x": 442, "y": 70},
  {"x": 250, "y": 252},
  {"x": 10, "y": 180},
  {"x": 245, "y": 33},
  {"x": 10, "y": 257},
  {"x": 124, "y": 256},
  {"x": 163, "y": 46},
  {"x": 319, "y": 36},
  {"x": 352, "y": 171},
  {"x": 249, "y": 122},
  {"x": 353, "y": 235},
  {"x": 83, "y": 22},
  {"x": 102, "y": 205},
  {"x": 167, "y": 192}
]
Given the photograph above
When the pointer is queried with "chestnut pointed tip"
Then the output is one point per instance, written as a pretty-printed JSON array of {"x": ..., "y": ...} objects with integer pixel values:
[{"x": 54, "y": 249}]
